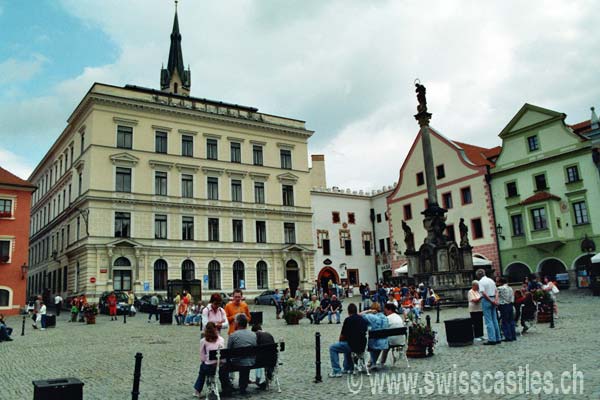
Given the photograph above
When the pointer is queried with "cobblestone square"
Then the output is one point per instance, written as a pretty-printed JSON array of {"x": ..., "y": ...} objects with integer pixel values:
[{"x": 102, "y": 356}]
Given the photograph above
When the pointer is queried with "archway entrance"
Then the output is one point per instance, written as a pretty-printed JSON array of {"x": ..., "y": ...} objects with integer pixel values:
[
  {"x": 325, "y": 275},
  {"x": 517, "y": 272},
  {"x": 292, "y": 274},
  {"x": 551, "y": 267}
]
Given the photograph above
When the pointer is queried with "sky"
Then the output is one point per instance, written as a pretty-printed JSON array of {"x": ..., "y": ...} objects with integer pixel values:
[{"x": 345, "y": 67}]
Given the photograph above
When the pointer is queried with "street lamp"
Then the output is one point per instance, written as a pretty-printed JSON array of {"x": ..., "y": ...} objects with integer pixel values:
[
  {"x": 24, "y": 269},
  {"x": 499, "y": 232}
]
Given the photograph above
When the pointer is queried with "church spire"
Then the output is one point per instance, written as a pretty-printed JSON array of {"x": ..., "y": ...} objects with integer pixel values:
[{"x": 175, "y": 78}]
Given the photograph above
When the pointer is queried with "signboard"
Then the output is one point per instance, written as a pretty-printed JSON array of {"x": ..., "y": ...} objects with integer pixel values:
[
  {"x": 327, "y": 261},
  {"x": 343, "y": 273},
  {"x": 205, "y": 279},
  {"x": 103, "y": 270},
  {"x": 386, "y": 267},
  {"x": 146, "y": 286},
  {"x": 92, "y": 280},
  {"x": 242, "y": 284}
]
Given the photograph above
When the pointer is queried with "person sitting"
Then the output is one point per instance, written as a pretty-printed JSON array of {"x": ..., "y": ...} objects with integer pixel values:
[
  {"x": 312, "y": 310},
  {"x": 335, "y": 307},
  {"x": 352, "y": 339},
  {"x": 417, "y": 302},
  {"x": 376, "y": 321},
  {"x": 394, "y": 321},
  {"x": 323, "y": 308},
  {"x": 270, "y": 359},
  {"x": 528, "y": 312},
  {"x": 392, "y": 300},
  {"x": 5, "y": 330},
  {"x": 242, "y": 337},
  {"x": 211, "y": 341}
]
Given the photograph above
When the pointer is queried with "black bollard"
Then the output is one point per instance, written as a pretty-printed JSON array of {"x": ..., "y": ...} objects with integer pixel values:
[
  {"x": 428, "y": 319},
  {"x": 360, "y": 307},
  {"x": 125, "y": 316},
  {"x": 23, "y": 326},
  {"x": 437, "y": 319},
  {"x": 318, "y": 377},
  {"x": 552, "y": 315},
  {"x": 137, "y": 373}
]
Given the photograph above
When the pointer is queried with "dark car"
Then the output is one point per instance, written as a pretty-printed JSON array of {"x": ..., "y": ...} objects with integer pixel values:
[
  {"x": 266, "y": 297},
  {"x": 122, "y": 303},
  {"x": 144, "y": 304}
]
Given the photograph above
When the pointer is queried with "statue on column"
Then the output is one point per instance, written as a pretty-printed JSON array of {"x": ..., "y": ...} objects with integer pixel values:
[
  {"x": 420, "y": 90},
  {"x": 464, "y": 233},
  {"x": 409, "y": 237}
]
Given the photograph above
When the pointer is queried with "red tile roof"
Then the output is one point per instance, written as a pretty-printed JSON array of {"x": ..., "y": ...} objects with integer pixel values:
[
  {"x": 582, "y": 127},
  {"x": 539, "y": 196},
  {"x": 6, "y": 178},
  {"x": 479, "y": 155}
]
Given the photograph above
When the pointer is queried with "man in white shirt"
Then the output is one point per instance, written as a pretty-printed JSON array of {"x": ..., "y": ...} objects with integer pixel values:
[
  {"x": 58, "y": 301},
  {"x": 489, "y": 294},
  {"x": 43, "y": 315},
  {"x": 394, "y": 321}
]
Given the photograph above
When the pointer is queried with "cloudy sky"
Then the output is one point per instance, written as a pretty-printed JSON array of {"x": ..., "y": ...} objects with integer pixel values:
[{"x": 346, "y": 67}]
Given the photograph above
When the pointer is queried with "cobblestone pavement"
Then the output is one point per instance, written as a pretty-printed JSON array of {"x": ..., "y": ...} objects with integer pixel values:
[{"x": 102, "y": 356}]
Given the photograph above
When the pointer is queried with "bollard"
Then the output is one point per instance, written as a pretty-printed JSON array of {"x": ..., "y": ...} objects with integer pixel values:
[
  {"x": 437, "y": 319},
  {"x": 137, "y": 373},
  {"x": 552, "y": 315},
  {"x": 318, "y": 377},
  {"x": 360, "y": 307},
  {"x": 23, "y": 327},
  {"x": 124, "y": 317},
  {"x": 428, "y": 319}
]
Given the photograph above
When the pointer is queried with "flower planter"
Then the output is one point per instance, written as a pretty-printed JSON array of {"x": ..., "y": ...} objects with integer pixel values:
[
  {"x": 544, "y": 317},
  {"x": 416, "y": 351},
  {"x": 90, "y": 320},
  {"x": 293, "y": 321}
]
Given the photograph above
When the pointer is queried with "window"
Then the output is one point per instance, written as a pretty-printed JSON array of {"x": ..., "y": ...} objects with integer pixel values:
[
  {"x": 160, "y": 142},
  {"x": 539, "y": 218},
  {"x": 450, "y": 233},
  {"x": 82, "y": 147},
  {"x": 238, "y": 275},
  {"x": 187, "y": 186},
  {"x": 581, "y": 214},
  {"x": 236, "y": 190},
  {"x": 213, "y": 229},
  {"x": 378, "y": 217},
  {"x": 367, "y": 247},
  {"x": 540, "y": 182},
  {"x": 122, "y": 224},
  {"x": 211, "y": 149},
  {"x": 5, "y": 208},
  {"x": 257, "y": 154},
  {"x": 79, "y": 183},
  {"x": 160, "y": 183},
  {"x": 123, "y": 181},
  {"x": 477, "y": 228},
  {"x": 238, "y": 230},
  {"x": 160, "y": 226},
  {"x": 387, "y": 217},
  {"x": 381, "y": 246},
  {"x": 351, "y": 218},
  {"x": 465, "y": 194},
  {"x": 289, "y": 231},
  {"x": 212, "y": 188},
  {"x": 188, "y": 272},
  {"x": 286, "y": 159},
  {"x": 259, "y": 192},
  {"x": 420, "y": 179},
  {"x": 288, "y": 195},
  {"x": 262, "y": 275},
  {"x": 78, "y": 233},
  {"x": 348, "y": 247},
  {"x": 407, "y": 212},
  {"x": 572, "y": 174},
  {"x": 387, "y": 242},
  {"x": 511, "y": 189},
  {"x": 447, "y": 200},
  {"x": 4, "y": 251},
  {"x": 236, "y": 152},
  {"x": 533, "y": 143},
  {"x": 160, "y": 275},
  {"x": 122, "y": 280},
  {"x": 71, "y": 151},
  {"x": 326, "y": 245},
  {"x": 124, "y": 137},
  {"x": 187, "y": 228},
  {"x": 65, "y": 277},
  {"x": 187, "y": 146},
  {"x": 261, "y": 232},
  {"x": 517, "y": 225},
  {"x": 440, "y": 172},
  {"x": 335, "y": 217},
  {"x": 214, "y": 275}
]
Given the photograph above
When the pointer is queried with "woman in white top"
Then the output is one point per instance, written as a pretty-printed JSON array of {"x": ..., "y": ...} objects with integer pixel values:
[
  {"x": 551, "y": 288},
  {"x": 475, "y": 310},
  {"x": 392, "y": 300}
]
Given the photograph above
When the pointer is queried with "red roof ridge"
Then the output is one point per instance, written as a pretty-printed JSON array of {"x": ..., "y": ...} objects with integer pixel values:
[
  {"x": 539, "y": 196},
  {"x": 8, "y": 178},
  {"x": 477, "y": 154}
]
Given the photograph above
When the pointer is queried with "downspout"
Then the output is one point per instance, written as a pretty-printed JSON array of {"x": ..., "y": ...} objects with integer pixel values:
[
  {"x": 374, "y": 244},
  {"x": 488, "y": 180}
]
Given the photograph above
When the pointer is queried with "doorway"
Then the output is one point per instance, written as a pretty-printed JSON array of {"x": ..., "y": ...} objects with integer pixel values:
[{"x": 292, "y": 275}]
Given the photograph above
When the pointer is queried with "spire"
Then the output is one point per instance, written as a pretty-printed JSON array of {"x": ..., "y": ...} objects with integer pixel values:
[{"x": 175, "y": 79}]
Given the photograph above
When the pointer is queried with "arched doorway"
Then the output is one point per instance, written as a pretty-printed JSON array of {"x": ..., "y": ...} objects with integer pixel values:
[
  {"x": 122, "y": 274},
  {"x": 583, "y": 270},
  {"x": 239, "y": 275},
  {"x": 292, "y": 274},
  {"x": 550, "y": 267},
  {"x": 325, "y": 275},
  {"x": 161, "y": 274},
  {"x": 188, "y": 272},
  {"x": 517, "y": 272}
]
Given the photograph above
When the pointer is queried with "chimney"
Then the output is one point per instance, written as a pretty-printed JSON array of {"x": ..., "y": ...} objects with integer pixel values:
[{"x": 317, "y": 171}]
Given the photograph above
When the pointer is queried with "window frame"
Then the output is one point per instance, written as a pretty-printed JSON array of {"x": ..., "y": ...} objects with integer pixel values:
[
  {"x": 285, "y": 156},
  {"x": 212, "y": 149},
  {"x": 161, "y": 142},
  {"x": 213, "y": 230},
  {"x": 161, "y": 181},
  {"x": 121, "y": 174},
  {"x": 257, "y": 155},
  {"x": 477, "y": 222},
  {"x": 259, "y": 192},
  {"x": 235, "y": 149},
  {"x": 537, "y": 225},
  {"x": 187, "y": 145},
  {"x": 287, "y": 195},
  {"x": 261, "y": 231},
  {"x": 212, "y": 188},
  {"x": 440, "y": 172},
  {"x": 462, "y": 195},
  {"x": 124, "y": 137},
  {"x": 121, "y": 217},
  {"x": 517, "y": 229},
  {"x": 508, "y": 186},
  {"x": 187, "y": 227},
  {"x": 289, "y": 232},
  {"x": 536, "y": 143},
  {"x": 237, "y": 230},
  {"x": 187, "y": 186},
  {"x": 236, "y": 190},
  {"x": 577, "y": 176},
  {"x": 161, "y": 226},
  {"x": 581, "y": 216},
  {"x": 447, "y": 196}
]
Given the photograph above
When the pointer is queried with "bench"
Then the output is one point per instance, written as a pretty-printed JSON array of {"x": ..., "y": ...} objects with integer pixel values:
[
  {"x": 269, "y": 355},
  {"x": 396, "y": 350}
]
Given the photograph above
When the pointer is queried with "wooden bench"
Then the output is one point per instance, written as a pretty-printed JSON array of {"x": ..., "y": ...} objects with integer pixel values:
[
  {"x": 396, "y": 350},
  {"x": 268, "y": 358}
]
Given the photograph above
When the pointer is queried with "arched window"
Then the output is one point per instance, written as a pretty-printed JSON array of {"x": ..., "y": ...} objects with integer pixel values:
[
  {"x": 4, "y": 298},
  {"x": 214, "y": 275},
  {"x": 238, "y": 275},
  {"x": 161, "y": 274},
  {"x": 122, "y": 262},
  {"x": 262, "y": 275},
  {"x": 121, "y": 277},
  {"x": 187, "y": 270}
]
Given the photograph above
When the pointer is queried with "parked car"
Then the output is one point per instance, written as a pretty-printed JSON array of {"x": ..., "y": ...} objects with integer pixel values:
[
  {"x": 266, "y": 297},
  {"x": 144, "y": 305},
  {"x": 122, "y": 303}
]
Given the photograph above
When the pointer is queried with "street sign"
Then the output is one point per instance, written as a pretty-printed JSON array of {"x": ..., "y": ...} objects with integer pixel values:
[
  {"x": 205, "y": 278},
  {"x": 242, "y": 284},
  {"x": 146, "y": 286},
  {"x": 92, "y": 280}
]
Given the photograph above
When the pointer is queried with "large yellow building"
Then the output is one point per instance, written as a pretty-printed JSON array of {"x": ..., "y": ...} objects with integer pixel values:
[{"x": 144, "y": 185}]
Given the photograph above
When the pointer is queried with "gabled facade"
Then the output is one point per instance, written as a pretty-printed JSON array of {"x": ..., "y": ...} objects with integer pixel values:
[
  {"x": 546, "y": 188},
  {"x": 462, "y": 186}
]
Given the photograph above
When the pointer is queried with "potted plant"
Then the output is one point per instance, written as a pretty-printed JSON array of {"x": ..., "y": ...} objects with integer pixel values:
[
  {"x": 89, "y": 312},
  {"x": 293, "y": 317},
  {"x": 421, "y": 340},
  {"x": 545, "y": 305},
  {"x": 5, "y": 214}
]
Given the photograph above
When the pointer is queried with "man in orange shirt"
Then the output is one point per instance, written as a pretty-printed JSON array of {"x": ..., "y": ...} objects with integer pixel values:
[{"x": 234, "y": 307}]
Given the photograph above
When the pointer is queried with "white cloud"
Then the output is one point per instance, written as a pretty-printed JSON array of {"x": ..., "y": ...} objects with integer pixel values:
[
  {"x": 15, "y": 164},
  {"x": 13, "y": 70}
]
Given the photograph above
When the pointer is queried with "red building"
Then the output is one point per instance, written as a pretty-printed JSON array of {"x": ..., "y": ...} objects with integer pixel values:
[{"x": 15, "y": 202}]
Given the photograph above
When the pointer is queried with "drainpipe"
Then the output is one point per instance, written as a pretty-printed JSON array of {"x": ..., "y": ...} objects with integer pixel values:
[
  {"x": 488, "y": 180},
  {"x": 374, "y": 245}
]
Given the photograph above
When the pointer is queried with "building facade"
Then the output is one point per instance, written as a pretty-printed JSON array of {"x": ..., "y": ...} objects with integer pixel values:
[
  {"x": 462, "y": 184},
  {"x": 546, "y": 191},
  {"x": 144, "y": 186},
  {"x": 15, "y": 202}
]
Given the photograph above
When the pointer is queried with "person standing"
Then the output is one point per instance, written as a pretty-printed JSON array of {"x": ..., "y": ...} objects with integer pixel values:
[
  {"x": 36, "y": 311},
  {"x": 215, "y": 313},
  {"x": 112, "y": 306},
  {"x": 352, "y": 339},
  {"x": 241, "y": 337},
  {"x": 506, "y": 298},
  {"x": 474, "y": 298},
  {"x": 234, "y": 307},
  {"x": 130, "y": 301},
  {"x": 489, "y": 293},
  {"x": 278, "y": 304},
  {"x": 43, "y": 315},
  {"x": 211, "y": 341},
  {"x": 550, "y": 287},
  {"x": 153, "y": 308},
  {"x": 58, "y": 302}
]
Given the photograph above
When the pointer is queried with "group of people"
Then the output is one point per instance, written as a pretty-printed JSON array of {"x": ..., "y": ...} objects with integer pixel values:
[{"x": 493, "y": 301}]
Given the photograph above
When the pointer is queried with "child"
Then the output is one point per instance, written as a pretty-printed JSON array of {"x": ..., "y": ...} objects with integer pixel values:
[
  {"x": 211, "y": 341},
  {"x": 74, "y": 312}
]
